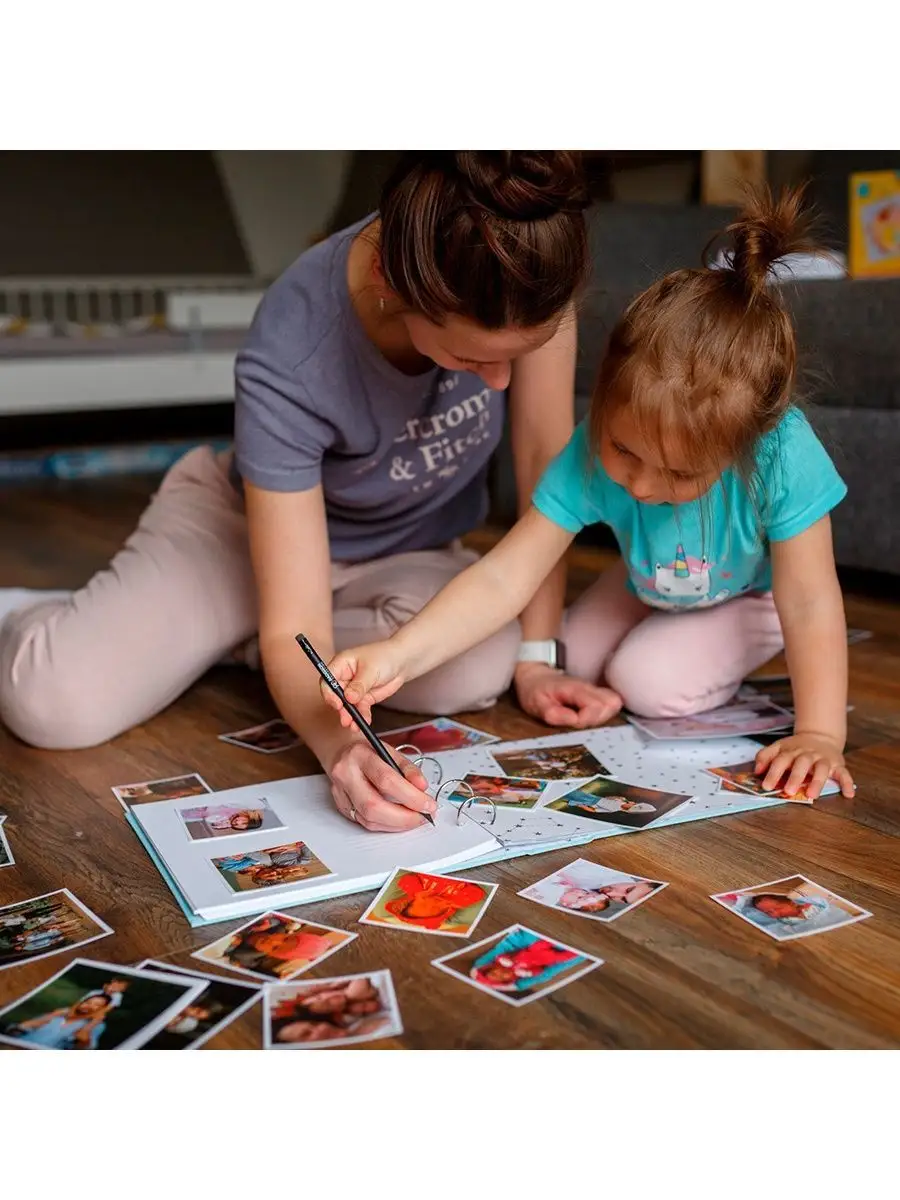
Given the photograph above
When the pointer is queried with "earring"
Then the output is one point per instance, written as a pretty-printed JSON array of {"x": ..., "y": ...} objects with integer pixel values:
[{"x": 381, "y": 303}]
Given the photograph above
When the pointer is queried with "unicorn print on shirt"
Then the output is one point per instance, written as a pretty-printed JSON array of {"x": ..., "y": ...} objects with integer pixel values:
[{"x": 683, "y": 582}]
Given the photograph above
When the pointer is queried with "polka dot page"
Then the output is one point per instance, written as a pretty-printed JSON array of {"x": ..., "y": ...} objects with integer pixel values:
[{"x": 628, "y": 756}]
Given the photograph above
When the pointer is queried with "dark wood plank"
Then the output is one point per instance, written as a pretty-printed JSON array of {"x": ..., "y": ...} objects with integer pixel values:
[{"x": 680, "y": 972}]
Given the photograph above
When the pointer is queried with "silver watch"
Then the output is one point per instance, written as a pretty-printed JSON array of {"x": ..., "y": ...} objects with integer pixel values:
[{"x": 552, "y": 652}]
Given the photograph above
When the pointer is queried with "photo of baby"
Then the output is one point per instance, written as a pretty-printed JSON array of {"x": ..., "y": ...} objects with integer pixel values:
[
  {"x": 791, "y": 908},
  {"x": 517, "y": 965},
  {"x": 618, "y": 803},
  {"x": 277, "y": 866},
  {"x": 162, "y": 789},
  {"x": 430, "y": 903},
  {"x": 433, "y": 737},
  {"x": 343, "y": 1011},
  {"x": 274, "y": 946},
  {"x": 227, "y": 820},
  {"x": 556, "y": 762},
  {"x": 586, "y": 889},
  {"x": 743, "y": 719},
  {"x": 505, "y": 790}
]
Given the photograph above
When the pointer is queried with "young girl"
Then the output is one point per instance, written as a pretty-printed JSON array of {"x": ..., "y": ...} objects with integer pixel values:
[{"x": 718, "y": 492}]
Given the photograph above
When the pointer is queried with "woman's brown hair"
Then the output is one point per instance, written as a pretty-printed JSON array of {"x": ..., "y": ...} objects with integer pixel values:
[
  {"x": 706, "y": 359},
  {"x": 497, "y": 236}
]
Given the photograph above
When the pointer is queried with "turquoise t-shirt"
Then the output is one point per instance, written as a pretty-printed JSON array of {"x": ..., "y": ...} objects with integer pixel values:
[{"x": 712, "y": 549}]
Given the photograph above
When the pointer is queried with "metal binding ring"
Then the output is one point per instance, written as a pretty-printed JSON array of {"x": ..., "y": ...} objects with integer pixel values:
[{"x": 418, "y": 758}]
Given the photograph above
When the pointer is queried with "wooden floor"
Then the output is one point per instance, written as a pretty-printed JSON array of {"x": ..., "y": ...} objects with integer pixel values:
[{"x": 680, "y": 972}]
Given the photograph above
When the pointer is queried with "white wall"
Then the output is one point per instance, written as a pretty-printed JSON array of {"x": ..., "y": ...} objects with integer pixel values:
[{"x": 281, "y": 199}]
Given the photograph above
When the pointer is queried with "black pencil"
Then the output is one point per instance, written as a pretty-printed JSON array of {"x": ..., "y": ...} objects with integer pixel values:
[{"x": 358, "y": 719}]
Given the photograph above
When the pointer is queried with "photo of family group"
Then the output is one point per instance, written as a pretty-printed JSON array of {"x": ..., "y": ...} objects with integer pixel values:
[
  {"x": 791, "y": 908},
  {"x": 617, "y": 803},
  {"x": 274, "y": 946},
  {"x": 505, "y": 791},
  {"x": 518, "y": 965},
  {"x": 269, "y": 738},
  {"x": 161, "y": 789},
  {"x": 343, "y": 1011},
  {"x": 588, "y": 890},
  {"x": 226, "y": 820},
  {"x": 274, "y": 867},
  {"x": 430, "y": 903},
  {"x": 95, "y": 1006},
  {"x": 46, "y": 925},
  {"x": 433, "y": 737},
  {"x": 219, "y": 1003},
  {"x": 550, "y": 763}
]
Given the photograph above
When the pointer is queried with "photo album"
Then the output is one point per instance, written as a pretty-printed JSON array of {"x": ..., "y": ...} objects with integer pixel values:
[{"x": 273, "y": 846}]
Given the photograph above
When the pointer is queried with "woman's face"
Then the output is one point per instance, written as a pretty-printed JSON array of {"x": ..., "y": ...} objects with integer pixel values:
[
  {"x": 240, "y": 821},
  {"x": 460, "y": 345},
  {"x": 91, "y": 1005}
]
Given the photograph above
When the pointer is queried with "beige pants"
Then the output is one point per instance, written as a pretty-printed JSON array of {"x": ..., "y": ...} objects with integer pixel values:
[{"x": 180, "y": 595}]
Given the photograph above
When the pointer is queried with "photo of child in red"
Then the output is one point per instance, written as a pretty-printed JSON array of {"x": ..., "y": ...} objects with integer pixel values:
[
  {"x": 522, "y": 961},
  {"x": 431, "y": 900}
]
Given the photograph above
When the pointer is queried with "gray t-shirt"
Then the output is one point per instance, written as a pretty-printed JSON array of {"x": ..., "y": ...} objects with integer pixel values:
[{"x": 402, "y": 459}]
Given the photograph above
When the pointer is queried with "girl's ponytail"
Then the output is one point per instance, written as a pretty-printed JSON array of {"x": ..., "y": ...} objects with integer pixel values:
[{"x": 768, "y": 228}]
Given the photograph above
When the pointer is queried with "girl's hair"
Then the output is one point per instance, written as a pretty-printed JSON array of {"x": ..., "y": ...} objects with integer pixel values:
[
  {"x": 254, "y": 818},
  {"x": 706, "y": 359},
  {"x": 497, "y": 236}
]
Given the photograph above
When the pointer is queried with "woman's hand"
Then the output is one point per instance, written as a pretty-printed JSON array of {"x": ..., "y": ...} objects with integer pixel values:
[
  {"x": 803, "y": 755},
  {"x": 559, "y": 699},
  {"x": 368, "y": 791},
  {"x": 368, "y": 675}
]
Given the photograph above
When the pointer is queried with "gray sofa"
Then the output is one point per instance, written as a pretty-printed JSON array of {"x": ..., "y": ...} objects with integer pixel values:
[{"x": 850, "y": 346}]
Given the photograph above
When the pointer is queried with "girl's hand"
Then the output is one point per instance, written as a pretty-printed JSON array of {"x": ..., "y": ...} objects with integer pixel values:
[
  {"x": 369, "y": 792},
  {"x": 368, "y": 675},
  {"x": 559, "y": 699},
  {"x": 802, "y": 755}
]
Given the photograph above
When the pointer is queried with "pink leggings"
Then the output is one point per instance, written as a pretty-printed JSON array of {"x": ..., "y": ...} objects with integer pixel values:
[
  {"x": 666, "y": 664},
  {"x": 180, "y": 596}
]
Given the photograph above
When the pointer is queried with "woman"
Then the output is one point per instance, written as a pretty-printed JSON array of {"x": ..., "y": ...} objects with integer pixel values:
[
  {"x": 78, "y": 1027},
  {"x": 370, "y": 397}
]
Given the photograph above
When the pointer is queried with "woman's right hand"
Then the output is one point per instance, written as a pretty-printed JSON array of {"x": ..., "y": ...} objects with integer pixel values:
[
  {"x": 368, "y": 675},
  {"x": 368, "y": 791}
]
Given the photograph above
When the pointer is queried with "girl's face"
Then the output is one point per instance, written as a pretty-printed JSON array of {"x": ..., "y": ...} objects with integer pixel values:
[
  {"x": 644, "y": 471},
  {"x": 460, "y": 345},
  {"x": 240, "y": 821}
]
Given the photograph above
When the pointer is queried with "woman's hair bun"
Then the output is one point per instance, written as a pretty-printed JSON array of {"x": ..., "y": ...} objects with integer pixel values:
[{"x": 522, "y": 185}]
